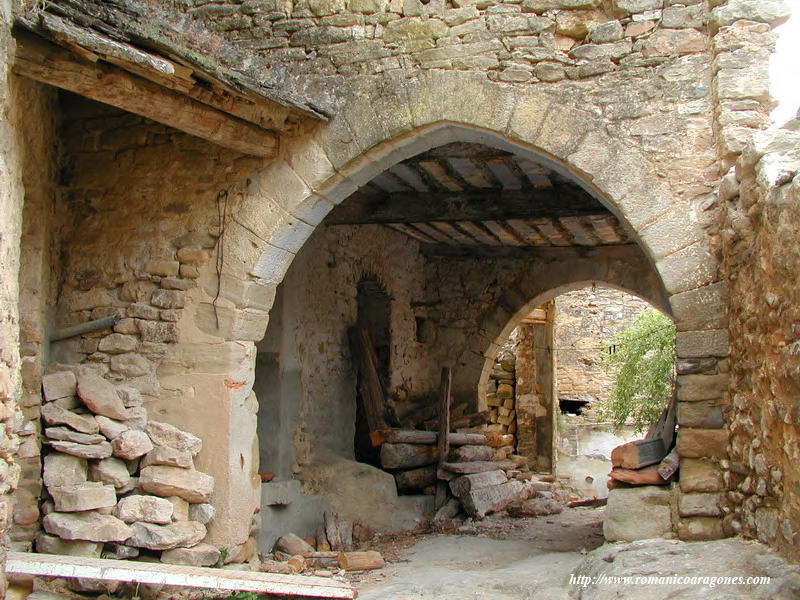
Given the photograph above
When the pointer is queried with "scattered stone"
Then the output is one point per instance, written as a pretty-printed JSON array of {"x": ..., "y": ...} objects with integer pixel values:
[
  {"x": 109, "y": 427},
  {"x": 88, "y": 526},
  {"x": 150, "y": 509},
  {"x": 68, "y": 435},
  {"x": 89, "y": 495},
  {"x": 164, "y": 434},
  {"x": 59, "y": 385},
  {"x": 166, "y": 537},
  {"x": 50, "y": 544},
  {"x": 201, "y": 555},
  {"x": 170, "y": 457},
  {"x": 131, "y": 444},
  {"x": 93, "y": 451},
  {"x": 202, "y": 513},
  {"x": 535, "y": 507},
  {"x": 63, "y": 469},
  {"x": 192, "y": 486},
  {"x": 101, "y": 397},
  {"x": 112, "y": 471},
  {"x": 53, "y": 414}
]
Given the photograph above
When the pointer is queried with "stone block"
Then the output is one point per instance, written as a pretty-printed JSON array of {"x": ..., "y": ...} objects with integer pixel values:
[
  {"x": 59, "y": 385},
  {"x": 88, "y": 451},
  {"x": 201, "y": 555},
  {"x": 120, "y": 552},
  {"x": 164, "y": 268},
  {"x": 203, "y": 513},
  {"x": 50, "y": 544},
  {"x": 164, "y": 434},
  {"x": 131, "y": 444},
  {"x": 701, "y": 308},
  {"x": 192, "y": 255},
  {"x": 700, "y": 504},
  {"x": 117, "y": 343},
  {"x": 700, "y": 528},
  {"x": 164, "y": 455},
  {"x": 692, "y": 388},
  {"x": 698, "y": 475},
  {"x": 192, "y": 486},
  {"x": 772, "y": 12},
  {"x": 112, "y": 471},
  {"x": 183, "y": 534},
  {"x": 610, "y": 31},
  {"x": 140, "y": 310},
  {"x": 88, "y": 495},
  {"x": 540, "y": 6},
  {"x": 68, "y": 435},
  {"x": 53, "y": 414},
  {"x": 109, "y": 427},
  {"x": 163, "y": 332},
  {"x": 150, "y": 509},
  {"x": 168, "y": 298},
  {"x": 672, "y": 42},
  {"x": 703, "y": 415},
  {"x": 680, "y": 17},
  {"x": 63, "y": 469},
  {"x": 130, "y": 364},
  {"x": 636, "y": 6},
  {"x": 637, "y": 513},
  {"x": 90, "y": 526},
  {"x": 101, "y": 397},
  {"x": 182, "y": 510},
  {"x": 700, "y": 344},
  {"x": 702, "y": 443}
]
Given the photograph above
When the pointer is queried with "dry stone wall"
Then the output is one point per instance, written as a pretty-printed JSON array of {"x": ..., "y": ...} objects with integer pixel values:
[
  {"x": 585, "y": 323},
  {"x": 118, "y": 484},
  {"x": 761, "y": 483}
]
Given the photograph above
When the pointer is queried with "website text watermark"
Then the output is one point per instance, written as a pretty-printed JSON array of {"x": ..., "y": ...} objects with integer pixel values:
[{"x": 712, "y": 582}]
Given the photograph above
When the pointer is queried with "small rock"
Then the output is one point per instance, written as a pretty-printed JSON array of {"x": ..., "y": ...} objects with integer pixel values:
[
  {"x": 88, "y": 495},
  {"x": 535, "y": 507},
  {"x": 120, "y": 552},
  {"x": 166, "y": 537},
  {"x": 59, "y": 385},
  {"x": 137, "y": 418},
  {"x": 89, "y": 526},
  {"x": 131, "y": 444},
  {"x": 150, "y": 509},
  {"x": 53, "y": 414},
  {"x": 118, "y": 343},
  {"x": 68, "y": 435},
  {"x": 63, "y": 469},
  {"x": 164, "y": 434},
  {"x": 94, "y": 451},
  {"x": 201, "y": 555},
  {"x": 112, "y": 471},
  {"x": 202, "y": 513},
  {"x": 110, "y": 428},
  {"x": 170, "y": 457},
  {"x": 192, "y": 486},
  {"x": 131, "y": 397},
  {"x": 50, "y": 544},
  {"x": 101, "y": 397}
]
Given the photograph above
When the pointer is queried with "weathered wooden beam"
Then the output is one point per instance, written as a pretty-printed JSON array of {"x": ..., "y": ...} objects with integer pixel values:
[
  {"x": 481, "y": 205},
  {"x": 48, "y": 63},
  {"x": 442, "y": 435},
  {"x": 99, "y": 569}
]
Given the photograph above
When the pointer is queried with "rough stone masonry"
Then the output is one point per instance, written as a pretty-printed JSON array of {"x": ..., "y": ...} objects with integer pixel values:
[{"x": 648, "y": 103}]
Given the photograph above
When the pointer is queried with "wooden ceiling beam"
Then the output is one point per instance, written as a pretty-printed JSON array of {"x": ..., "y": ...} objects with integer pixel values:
[
  {"x": 490, "y": 205},
  {"x": 48, "y": 63}
]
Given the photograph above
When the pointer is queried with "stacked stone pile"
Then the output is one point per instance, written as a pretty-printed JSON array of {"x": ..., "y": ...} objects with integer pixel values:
[
  {"x": 500, "y": 394},
  {"x": 118, "y": 485}
]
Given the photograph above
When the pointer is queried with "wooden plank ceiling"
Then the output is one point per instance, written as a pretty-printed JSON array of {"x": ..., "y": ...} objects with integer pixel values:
[{"x": 470, "y": 195}]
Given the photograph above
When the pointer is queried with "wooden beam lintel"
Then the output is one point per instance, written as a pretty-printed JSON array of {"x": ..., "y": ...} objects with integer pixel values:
[{"x": 48, "y": 63}]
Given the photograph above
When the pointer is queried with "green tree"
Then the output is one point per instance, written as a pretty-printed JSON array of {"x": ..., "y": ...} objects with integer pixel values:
[{"x": 641, "y": 362}]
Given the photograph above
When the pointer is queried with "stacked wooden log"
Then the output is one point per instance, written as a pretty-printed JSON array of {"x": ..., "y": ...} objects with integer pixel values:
[{"x": 334, "y": 548}]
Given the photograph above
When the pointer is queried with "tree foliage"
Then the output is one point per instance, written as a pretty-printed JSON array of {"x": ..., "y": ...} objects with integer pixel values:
[{"x": 641, "y": 362}]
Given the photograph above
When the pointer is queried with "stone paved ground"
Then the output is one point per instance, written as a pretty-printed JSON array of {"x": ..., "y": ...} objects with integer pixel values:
[{"x": 532, "y": 559}]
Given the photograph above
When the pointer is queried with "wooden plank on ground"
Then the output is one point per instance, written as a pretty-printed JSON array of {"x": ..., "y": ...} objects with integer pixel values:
[
  {"x": 464, "y": 468},
  {"x": 416, "y": 436},
  {"x": 48, "y": 63},
  {"x": 100, "y": 569},
  {"x": 442, "y": 439}
]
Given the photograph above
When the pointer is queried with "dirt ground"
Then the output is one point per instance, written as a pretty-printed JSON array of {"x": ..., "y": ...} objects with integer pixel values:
[{"x": 499, "y": 558}]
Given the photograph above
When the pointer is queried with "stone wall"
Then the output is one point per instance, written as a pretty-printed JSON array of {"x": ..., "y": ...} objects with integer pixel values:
[
  {"x": 585, "y": 322},
  {"x": 761, "y": 196}
]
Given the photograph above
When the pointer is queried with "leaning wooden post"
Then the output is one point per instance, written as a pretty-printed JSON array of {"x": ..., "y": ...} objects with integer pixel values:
[{"x": 443, "y": 437}]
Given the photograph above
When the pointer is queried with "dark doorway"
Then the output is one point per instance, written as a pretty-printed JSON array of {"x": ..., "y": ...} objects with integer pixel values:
[{"x": 374, "y": 310}]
